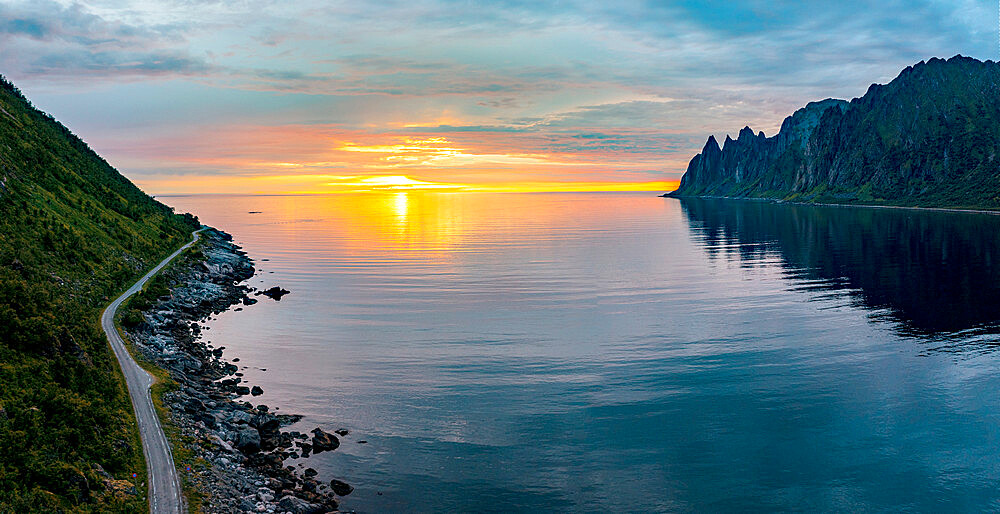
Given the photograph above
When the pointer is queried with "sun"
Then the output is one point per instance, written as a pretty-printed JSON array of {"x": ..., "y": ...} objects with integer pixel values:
[
  {"x": 393, "y": 180},
  {"x": 400, "y": 183}
]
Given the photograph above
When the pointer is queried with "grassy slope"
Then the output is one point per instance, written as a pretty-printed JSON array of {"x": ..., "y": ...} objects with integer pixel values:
[{"x": 73, "y": 234}]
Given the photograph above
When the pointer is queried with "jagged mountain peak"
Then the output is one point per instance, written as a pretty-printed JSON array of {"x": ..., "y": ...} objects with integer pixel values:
[
  {"x": 711, "y": 145},
  {"x": 928, "y": 136}
]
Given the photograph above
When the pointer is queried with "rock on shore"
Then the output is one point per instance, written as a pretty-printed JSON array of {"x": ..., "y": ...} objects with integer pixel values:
[{"x": 242, "y": 446}]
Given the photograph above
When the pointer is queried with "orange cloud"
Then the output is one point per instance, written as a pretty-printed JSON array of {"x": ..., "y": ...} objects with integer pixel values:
[
  {"x": 329, "y": 158},
  {"x": 442, "y": 152}
]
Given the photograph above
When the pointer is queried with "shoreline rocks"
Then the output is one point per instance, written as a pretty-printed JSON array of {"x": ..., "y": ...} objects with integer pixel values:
[
  {"x": 241, "y": 449},
  {"x": 324, "y": 441},
  {"x": 274, "y": 293}
]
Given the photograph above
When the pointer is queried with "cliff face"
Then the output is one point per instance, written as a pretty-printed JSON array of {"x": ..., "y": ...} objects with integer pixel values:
[{"x": 929, "y": 137}]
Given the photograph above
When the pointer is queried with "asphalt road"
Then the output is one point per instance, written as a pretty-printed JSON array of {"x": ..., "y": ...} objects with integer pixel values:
[{"x": 165, "y": 494}]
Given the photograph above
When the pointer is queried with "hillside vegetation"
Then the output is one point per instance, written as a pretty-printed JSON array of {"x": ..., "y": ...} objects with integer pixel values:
[
  {"x": 927, "y": 138},
  {"x": 73, "y": 234}
]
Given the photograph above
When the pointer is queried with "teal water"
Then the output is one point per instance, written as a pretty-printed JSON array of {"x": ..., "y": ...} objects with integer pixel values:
[{"x": 624, "y": 352}]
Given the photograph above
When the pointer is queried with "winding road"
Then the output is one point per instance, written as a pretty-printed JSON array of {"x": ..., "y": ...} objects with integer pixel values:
[{"x": 165, "y": 494}]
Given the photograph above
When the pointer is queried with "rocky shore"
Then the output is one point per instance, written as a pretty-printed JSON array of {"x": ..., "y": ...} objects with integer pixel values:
[{"x": 240, "y": 450}]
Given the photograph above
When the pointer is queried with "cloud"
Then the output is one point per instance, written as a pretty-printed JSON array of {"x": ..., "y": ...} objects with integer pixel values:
[
  {"x": 615, "y": 87},
  {"x": 508, "y": 102},
  {"x": 146, "y": 64},
  {"x": 47, "y": 39},
  {"x": 75, "y": 24}
]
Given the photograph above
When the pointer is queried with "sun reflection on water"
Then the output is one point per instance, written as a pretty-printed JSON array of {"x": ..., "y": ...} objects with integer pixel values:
[{"x": 401, "y": 206}]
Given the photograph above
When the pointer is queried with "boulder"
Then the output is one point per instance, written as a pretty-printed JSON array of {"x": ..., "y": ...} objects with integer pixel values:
[
  {"x": 268, "y": 426},
  {"x": 285, "y": 441},
  {"x": 298, "y": 506},
  {"x": 256, "y": 391},
  {"x": 265, "y": 461},
  {"x": 324, "y": 441},
  {"x": 194, "y": 405},
  {"x": 262, "y": 419},
  {"x": 76, "y": 484},
  {"x": 288, "y": 419},
  {"x": 239, "y": 416},
  {"x": 247, "y": 440},
  {"x": 101, "y": 472},
  {"x": 207, "y": 419},
  {"x": 341, "y": 488},
  {"x": 275, "y": 293},
  {"x": 220, "y": 443},
  {"x": 120, "y": 489}
]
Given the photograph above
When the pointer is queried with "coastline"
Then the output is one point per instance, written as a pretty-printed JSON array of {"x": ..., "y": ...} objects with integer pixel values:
[
  {"x": 232, "y": 452},
  {"x": 824, "y": 204}
]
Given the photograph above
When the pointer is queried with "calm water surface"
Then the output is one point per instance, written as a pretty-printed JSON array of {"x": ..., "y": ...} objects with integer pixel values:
[{"x": 622, "y": 352}]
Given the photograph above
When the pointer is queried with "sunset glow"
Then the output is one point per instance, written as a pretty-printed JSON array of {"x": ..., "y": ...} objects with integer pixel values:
[
  {"x": 312, "y": 96},
  {"x": 322, "y": 184},
  {"x": 326, "y": 159}
]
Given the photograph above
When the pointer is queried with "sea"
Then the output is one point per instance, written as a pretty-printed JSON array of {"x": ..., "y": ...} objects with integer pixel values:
[{"x": 622, "y": 352}]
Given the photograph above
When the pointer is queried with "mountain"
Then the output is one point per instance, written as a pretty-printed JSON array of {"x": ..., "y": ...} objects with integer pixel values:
[
  {"x": 74, "y": 233},
  {"x": 927, "y": 138}
]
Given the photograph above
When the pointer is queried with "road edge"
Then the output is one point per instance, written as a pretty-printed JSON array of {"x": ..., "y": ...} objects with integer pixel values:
[{"x": 164, "y": 493}]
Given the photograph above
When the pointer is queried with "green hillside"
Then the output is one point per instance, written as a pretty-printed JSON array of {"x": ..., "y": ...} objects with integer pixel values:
[{"x": 73, "y": 234}]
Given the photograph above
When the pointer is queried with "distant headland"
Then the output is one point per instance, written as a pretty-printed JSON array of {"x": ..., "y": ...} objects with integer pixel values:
[{"x": 928, "y": 138}]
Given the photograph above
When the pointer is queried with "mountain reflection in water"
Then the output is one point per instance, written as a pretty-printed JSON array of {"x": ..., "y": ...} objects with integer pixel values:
[{"x": 934, "y": 272}]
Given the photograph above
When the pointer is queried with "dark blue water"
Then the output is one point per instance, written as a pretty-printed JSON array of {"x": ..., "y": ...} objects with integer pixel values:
[{"x": 622, "y": 352}]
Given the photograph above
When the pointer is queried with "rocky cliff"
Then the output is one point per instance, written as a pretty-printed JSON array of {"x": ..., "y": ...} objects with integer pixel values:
[{"x": 929, "y": 137}]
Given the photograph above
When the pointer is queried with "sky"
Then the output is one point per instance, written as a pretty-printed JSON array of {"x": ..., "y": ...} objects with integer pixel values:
[{"x": 248, "y": 96}]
